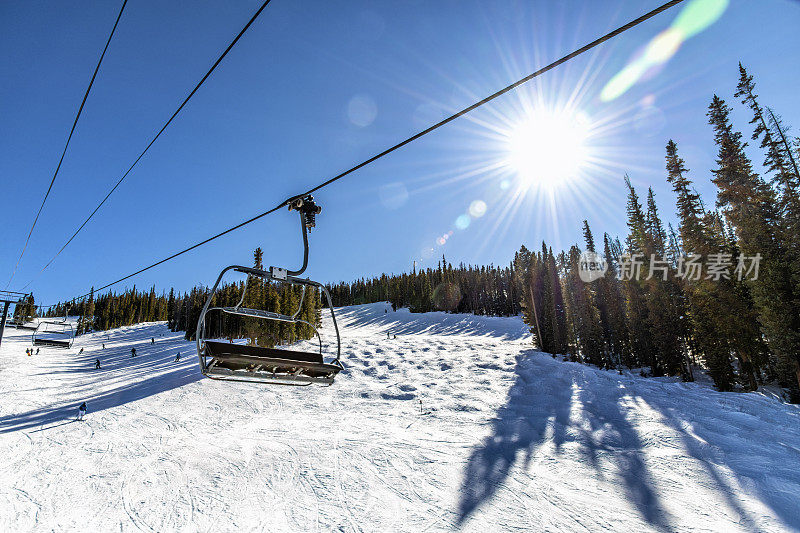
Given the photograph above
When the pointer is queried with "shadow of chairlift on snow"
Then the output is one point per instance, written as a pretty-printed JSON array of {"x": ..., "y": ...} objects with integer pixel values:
[
  {"x": 152, "y": 371},
  {"x": 65, "y": 412}
]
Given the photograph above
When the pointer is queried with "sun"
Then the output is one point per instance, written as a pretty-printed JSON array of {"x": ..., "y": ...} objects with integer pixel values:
[{"x": 547, "y": 149}]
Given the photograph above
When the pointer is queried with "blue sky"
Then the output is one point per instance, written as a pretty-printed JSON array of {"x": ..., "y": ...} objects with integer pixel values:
[{"x": 315, "y": 87}]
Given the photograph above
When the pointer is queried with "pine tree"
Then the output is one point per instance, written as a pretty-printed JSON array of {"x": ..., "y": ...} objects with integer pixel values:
[
  {"x": 587, "y": 236},
  {"x": 524, "y": 268},
  {"x": 749, "y": 204},
  {"x": 774, "y": 139},
  {"x": 665, "y": 309},
  {"x": 703, "y": 297},
  {"x": 641, "y": 339},
  {"x": 584, "y": 316},
  {"x": 559, "y": 311},
  {"x": 612, "y": 307},
  {"x": 88, "y": 315}
]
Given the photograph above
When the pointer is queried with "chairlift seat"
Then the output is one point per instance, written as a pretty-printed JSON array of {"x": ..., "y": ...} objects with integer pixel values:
[
  {"x": 226, "y": 350},
  {"x": 238, "y": 361},
  {"x": 51, "y": 342}
]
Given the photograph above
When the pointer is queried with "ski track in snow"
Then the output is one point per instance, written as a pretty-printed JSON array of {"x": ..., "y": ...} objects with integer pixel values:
[{"x": 455, "y": 424}]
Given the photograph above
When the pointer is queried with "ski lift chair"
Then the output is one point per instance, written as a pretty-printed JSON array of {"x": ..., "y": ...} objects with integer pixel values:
[
  {"x": 53, "y": 334},
  {"x": 238, "y": 362}
]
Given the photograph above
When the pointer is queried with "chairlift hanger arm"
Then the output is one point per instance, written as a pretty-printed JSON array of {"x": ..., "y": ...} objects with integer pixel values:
[
  {"x": 308, "y": 211},
  {"x": 304, "y": 231}
]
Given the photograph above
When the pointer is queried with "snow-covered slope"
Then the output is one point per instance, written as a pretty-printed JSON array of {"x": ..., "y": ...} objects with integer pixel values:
[{"x": 456, "y": 423}]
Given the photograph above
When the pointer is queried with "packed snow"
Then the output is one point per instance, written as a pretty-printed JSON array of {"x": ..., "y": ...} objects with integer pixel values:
[{"x": 457, "y": 423}]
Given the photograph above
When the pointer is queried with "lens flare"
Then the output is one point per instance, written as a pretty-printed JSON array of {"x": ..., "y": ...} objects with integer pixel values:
[
  {"x": 362, "y": 110},
  {"x": 699, "y": 15},
  {"x": 477, "y": 208},
  {"x": 663, "y": 47},
  {"x": 694, "y": 18},
  {"x": 446, "y": 296}
]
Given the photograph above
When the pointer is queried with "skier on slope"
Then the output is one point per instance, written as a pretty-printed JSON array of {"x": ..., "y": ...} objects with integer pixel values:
[
  {"x": 79, "y": 353},
  {"x": 81, "y": 411},
  {"x": 133, "y": 352},
  {"x": 178, "y": 357},
  {"x": 97, "y": 364},
  {"x": 152, "y": 340}
]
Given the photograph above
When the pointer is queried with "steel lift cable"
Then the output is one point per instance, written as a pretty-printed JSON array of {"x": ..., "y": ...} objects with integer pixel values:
[
  {"x": 69, "y": 138},
  {"x": 164, "y": 127},
  {"x": 289, "y": 201}
]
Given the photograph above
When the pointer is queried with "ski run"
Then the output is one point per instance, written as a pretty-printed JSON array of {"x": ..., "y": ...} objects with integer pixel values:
[{"x": 457, "y": 423}]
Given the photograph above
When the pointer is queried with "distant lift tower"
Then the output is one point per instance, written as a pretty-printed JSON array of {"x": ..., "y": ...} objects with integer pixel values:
[{"x": 7, "y": 298}]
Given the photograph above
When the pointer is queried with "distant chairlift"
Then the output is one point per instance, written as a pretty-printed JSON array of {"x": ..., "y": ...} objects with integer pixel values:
[
  {"x": 53, "y": 333},
  {"x": 238, "y": 362}
]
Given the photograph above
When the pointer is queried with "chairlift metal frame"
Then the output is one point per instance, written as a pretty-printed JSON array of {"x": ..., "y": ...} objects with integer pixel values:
[
  {"x": 237, "y": 362},
  {"x": 66, "y": 329}
]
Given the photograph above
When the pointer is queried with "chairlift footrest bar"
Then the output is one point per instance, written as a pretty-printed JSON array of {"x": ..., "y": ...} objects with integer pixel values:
[{"x": 51, "y": 343}]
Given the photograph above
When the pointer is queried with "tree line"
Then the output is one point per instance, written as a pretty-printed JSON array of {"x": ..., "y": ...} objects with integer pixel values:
[
  {"x": 743, "y": 329},
  {"x": 484, "y": 290}
]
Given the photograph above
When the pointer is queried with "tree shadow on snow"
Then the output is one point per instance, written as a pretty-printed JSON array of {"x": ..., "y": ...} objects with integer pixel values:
[
  {"x": 739, "y": 444},
  {"x": 537, "y": 410},
  {"x": 752, "y": 437}
]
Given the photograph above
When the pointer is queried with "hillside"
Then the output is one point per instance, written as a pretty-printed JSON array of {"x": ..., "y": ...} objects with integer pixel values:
[{"x": 456, "y": 423}]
